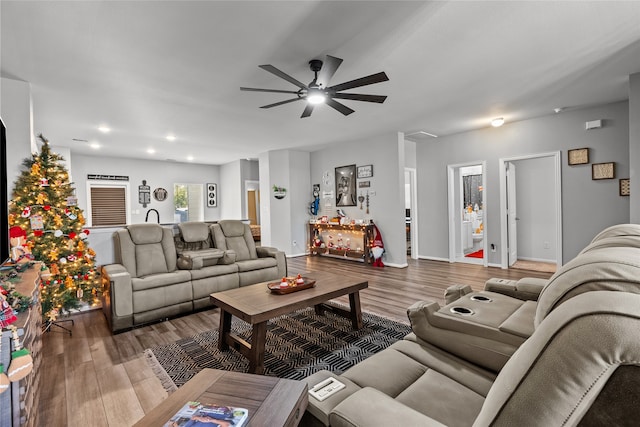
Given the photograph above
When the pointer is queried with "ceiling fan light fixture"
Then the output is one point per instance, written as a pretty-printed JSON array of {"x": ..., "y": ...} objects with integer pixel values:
[
  {"x": 496, "y": 123},
  {"x": 316, "y": 96}
]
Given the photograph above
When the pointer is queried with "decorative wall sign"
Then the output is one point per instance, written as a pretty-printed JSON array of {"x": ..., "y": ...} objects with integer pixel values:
[
  {"x": 160, "y": 194},
  {"x": 144, "y": 194},
  {"x": 603, "y": 170},
  {"x": 579, "y": 156},
  {"x": 365, "y": 171},
  {"x": 212, "y": 195},
  {"x": 108, "y": 177},
  {"x": 364, "y": 184},
  {"x": 625, "y": 190},
  {"x": 279, "y": 192},
  {"x": 346, "y": 186}
]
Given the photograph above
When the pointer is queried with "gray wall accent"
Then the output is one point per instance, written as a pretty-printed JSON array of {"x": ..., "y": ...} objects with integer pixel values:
[
  {"x": 386, "y": 154},
  {"x": 231, "y": 194},
  {"x": 536, "y": 208},
  {"x": 156, "y": 173},
  {"x": 588, "y": 206},
  {"x": 634, "y": 147}
]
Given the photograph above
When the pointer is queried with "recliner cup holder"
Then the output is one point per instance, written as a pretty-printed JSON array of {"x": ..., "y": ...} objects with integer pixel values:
[
  {"x": 463, "y": 311},
  {"x": 481, "y": 298}
]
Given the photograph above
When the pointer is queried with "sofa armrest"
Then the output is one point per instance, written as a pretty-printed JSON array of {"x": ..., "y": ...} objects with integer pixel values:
[
  {"x": 527, "y": 288},
  {"x": 195, "y": 260},
  {"x": 454, "y": 292},
  {"x": 228, "y": 257},
  {"x": 281, "y": 259},
  {"x": 117, "y": 296},
  {"x": 370, "y": 407}
]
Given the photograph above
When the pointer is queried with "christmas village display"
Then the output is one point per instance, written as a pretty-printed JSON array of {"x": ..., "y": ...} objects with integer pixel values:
[{"x": 46, "y": 225}]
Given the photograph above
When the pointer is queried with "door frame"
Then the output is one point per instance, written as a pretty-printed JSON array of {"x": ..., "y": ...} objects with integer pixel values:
[
  {"x": 451, "y": 170},
  {"x": 413, "y": 188},
  {"x": 555, "y": 155}
]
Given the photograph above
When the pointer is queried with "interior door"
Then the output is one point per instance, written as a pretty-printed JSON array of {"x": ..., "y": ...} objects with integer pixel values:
[
  {"x": 512, "y": 217},
  {"x": 252, "y": 209}
]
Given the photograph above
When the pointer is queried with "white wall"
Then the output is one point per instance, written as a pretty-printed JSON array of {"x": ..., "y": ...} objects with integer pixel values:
[
  {"x": 156, "y": 173},
  {"x": 588, "y": 206},
  {"x": 15, "y": 110},
  {"x": 634, "y": 146},
  {"x": 230, "y": 191}
]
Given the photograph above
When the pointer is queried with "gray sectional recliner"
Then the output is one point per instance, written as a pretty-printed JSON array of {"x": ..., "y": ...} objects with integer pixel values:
[
  {"x": 580, "y": 365},
  {"x": 158, "y": 275}
]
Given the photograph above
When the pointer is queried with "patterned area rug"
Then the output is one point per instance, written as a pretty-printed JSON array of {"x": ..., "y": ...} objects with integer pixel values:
[{"x": 298, "y": 345}]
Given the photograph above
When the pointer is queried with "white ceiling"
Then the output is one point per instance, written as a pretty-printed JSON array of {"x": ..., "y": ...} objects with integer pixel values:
[{"x": 150, "y": 68}]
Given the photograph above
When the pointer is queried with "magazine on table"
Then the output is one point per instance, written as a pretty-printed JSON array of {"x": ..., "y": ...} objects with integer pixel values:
[{"x": 196, "y": 414}]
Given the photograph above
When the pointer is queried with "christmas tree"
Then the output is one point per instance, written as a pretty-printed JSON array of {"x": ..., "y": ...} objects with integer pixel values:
[{"x": 46, "y": 224}]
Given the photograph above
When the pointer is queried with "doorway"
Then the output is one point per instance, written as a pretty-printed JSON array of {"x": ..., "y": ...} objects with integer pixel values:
[
  {"x": 411, "y": 214},
  {"x": 531, "y": 210},
  {"x": 467, "y": 185},
  {"x": 253, "y": 202}
]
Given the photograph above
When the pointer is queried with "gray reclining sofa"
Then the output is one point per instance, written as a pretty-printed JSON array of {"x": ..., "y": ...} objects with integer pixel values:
[{"x": 158, "y": 275}]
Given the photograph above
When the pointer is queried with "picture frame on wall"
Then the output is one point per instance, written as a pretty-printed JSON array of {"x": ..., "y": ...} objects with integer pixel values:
[
  {"x": 345, "y": 177},
  {"x": 625, "y": 190},
  {"x": 603, "y": 171},
  {"x": 212, "y": 195},
  {"x": 579, "y": 156},
  {"x": 365, "y": 171}
]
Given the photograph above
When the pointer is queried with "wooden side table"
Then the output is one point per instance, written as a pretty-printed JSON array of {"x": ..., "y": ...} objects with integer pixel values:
[{"x": 271, "y": 401}]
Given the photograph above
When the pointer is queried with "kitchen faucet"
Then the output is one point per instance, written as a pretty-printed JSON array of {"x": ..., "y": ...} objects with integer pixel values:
[{"x": 146, "y": 218}]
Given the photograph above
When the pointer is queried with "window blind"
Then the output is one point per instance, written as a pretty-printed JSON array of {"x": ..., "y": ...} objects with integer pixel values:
[{"x": 108, "y": 206}]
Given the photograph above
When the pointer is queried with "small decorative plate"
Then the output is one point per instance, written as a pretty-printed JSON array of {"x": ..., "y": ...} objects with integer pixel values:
[{"x": 276, "y": 289}]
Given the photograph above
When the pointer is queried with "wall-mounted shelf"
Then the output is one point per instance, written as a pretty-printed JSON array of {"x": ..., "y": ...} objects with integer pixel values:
[{"x": 349, "y": 241}]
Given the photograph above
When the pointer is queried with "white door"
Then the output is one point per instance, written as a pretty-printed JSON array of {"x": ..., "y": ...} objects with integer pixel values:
[{"x": 512, "y": 218}]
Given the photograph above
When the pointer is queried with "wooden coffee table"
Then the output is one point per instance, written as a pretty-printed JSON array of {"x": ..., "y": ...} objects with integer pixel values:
[
  {"x": 256, "y": 304},
  {"x": 271, "y": 401}
]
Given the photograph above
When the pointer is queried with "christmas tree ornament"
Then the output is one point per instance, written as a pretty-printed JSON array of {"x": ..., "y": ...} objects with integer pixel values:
[
  {"x": 62, "y": 260},
  {"x": 7, "y": 315},
  {"x": 57, "y": 233},
  {"x": 79, "y": 293},
  {"x": 21, "y": 361},
  {"x": 26, "y": 212},
  {"x": 44, "y": 182}
]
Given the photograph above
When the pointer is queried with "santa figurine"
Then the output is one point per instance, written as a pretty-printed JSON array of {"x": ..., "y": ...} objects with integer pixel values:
[{"x": 377, "y": 248}]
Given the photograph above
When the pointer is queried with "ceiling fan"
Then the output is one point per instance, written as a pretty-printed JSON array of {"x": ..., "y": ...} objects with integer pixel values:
[{"x": 319, "y": 91}]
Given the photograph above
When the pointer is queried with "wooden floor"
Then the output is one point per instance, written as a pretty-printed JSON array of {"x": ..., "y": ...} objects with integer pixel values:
[{"x": 97, "y": 379}]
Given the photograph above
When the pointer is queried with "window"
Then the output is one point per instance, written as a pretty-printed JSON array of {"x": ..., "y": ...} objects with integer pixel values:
[
  {"x": 188, "y": 202},
  {"x": 107, "y": 204}
]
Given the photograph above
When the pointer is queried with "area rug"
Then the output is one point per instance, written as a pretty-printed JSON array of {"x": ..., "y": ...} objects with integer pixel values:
[
  {"x": 476, "y": 254},
  {"x": 298, "y": 344}
]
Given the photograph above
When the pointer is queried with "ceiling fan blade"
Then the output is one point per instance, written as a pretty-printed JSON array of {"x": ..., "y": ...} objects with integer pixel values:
[
  {"x": 340, "y": 107},
  {"x": 329, "y": 67},
  {"x": 307, "y": 111},
  {"x": 283, "y": 75},
  {"x": 281, "y": 103},
  {"x": 253, "y": 89},
  {"x": 363, "y": 81},
  {"x": 359, "y": 97}
]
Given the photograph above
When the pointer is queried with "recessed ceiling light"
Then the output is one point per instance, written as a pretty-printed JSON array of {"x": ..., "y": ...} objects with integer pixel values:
[
  {"x": 496, "y": 123},
  {"x": 104, "y": 129},
  {"x": 190, "y": 158},
  {"x": 151, "y": 151},
  {"x": 171, "y": 137},
  {"x": 558, "y": 110},
  {"x": 94, "y": 145}
]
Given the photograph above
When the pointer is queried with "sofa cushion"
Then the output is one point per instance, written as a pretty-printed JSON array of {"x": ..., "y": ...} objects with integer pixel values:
[
  {"x": 142, "y": 234},
  {"x": 213, "y": 271},
  {"x": 150, "y": 259},
  {"x": 235, "y": 235},
  {"x": 159, "y": 280},
  {"x": 194, "y": 231},
  {"x": 256, "y": 264}
]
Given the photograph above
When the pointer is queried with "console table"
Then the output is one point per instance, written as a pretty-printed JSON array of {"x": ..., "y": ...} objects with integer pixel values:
[
  {"x": 19, "y": 404},
  {"x": 348, "y": 241}
]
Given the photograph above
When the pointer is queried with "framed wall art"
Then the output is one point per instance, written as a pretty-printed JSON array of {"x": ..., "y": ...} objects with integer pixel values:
[
  {"x": 212, "y": 195},
  {"x": 364, "y": 184},
  {"x": 603, "y": 171},
  {"x": 365, "y": 171},
  {"x": 624, "y": 187},
  {"x": 579, "y": 156},
  {"x": 346, "y": 186}
]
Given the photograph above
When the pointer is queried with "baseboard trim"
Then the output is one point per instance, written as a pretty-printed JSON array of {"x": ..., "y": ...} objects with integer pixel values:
[
  {"x": 389, "y": 264},
  {"x": 433, "y": 258},
  {"x": 296, "y": 255},
  {"x": 549, "y": 261}
]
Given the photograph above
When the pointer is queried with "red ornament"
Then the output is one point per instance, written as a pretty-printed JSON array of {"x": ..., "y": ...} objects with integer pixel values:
[
  {"x": 86, "y": 277},
  {"x": 37, "y": 233},
  {"x": 79, "y": 253},
  {"x": 46, "y": 207},
  {"x": 72, "y": 235},
  {"x": 87, "y": 232}
]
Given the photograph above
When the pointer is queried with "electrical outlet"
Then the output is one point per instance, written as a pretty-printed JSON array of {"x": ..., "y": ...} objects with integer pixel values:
[
  {"x": 493, "y": 247},
  {"x": 295, "y": 243}
]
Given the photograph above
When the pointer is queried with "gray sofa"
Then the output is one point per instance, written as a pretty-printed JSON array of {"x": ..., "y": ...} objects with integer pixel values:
[
  {"x": 158, "y": 275},
  {"x": 579, "y": 365}
]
